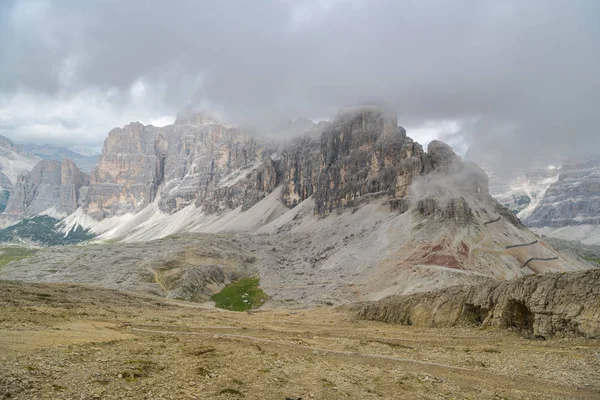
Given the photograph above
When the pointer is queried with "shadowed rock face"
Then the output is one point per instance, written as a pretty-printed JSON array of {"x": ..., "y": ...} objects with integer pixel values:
[
  {"x": 543, "y": 305},
  {"x": 52, "y": 185}
]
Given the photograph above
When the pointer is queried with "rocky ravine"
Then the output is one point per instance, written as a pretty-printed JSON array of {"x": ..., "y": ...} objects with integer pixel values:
[{"x": 540, "y": 305}]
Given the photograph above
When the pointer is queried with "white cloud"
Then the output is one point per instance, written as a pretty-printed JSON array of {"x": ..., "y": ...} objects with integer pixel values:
[{"x": 82, "y": 118}]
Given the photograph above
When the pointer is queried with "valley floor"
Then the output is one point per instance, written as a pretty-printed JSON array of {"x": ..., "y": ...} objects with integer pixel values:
[{"x": 75, "y": 342}]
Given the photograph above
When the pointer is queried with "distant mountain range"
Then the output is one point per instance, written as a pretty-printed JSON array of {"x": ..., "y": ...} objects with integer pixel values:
[
  {"x": 18, "y": 160},
  {"x": 559, "y": 199},
  {"x": 86, "y": 159}
]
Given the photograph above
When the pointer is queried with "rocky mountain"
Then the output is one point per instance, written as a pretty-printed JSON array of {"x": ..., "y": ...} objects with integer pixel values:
[
  {"x": 518, "y": 186},
  {"x": 52, "y": 187},
  {"x": 85, "y": 159},
  {"x": 556, "y": 198},
  {"x": 570, "y": 208},
  {"x": 357, "y": 214},
  {"x": 14, "y": 161}
]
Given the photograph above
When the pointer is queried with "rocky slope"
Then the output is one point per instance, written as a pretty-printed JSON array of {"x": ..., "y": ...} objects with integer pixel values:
[
  {"x": 539, "y": 305},
  {"x": 556, "y": 198}
]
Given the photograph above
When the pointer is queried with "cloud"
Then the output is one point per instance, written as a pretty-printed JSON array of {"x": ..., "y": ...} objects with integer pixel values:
[{"x": 518, "y": 77}]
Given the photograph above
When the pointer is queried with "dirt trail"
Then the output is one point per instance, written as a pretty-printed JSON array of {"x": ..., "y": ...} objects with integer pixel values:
[{"x": 533, "y": 386}]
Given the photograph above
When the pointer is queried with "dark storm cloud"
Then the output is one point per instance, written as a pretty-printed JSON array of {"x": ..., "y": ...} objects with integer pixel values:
[{"x": 517, "y": 75}]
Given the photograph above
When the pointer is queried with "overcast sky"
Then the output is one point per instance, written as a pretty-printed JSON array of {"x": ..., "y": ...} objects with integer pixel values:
[{"x": 514, "y": 75}]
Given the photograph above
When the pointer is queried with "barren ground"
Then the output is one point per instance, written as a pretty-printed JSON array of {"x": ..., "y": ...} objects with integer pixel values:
[{"x": 75, "y": 342}]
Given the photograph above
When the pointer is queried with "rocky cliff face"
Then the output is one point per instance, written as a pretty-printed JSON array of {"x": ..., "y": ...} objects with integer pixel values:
[
  {"x": 365, "y": 152},
  {"x": 540, "y": 305},
  {"x": 13, "y": 162},
  {"x": 574, "y": 199},
  {"x": 52, "y": 186},
  {"x": 195, "y": 161},
  {"x": 361, "y": 154}
]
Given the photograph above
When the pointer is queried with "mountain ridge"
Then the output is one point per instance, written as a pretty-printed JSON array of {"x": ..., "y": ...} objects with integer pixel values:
[{"x": 360, "y": 213}]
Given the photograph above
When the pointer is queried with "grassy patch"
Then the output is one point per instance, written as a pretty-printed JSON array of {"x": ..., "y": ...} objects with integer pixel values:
[
  {"x": 241, "y": 295},
  {"x": 10, "y": 254}
]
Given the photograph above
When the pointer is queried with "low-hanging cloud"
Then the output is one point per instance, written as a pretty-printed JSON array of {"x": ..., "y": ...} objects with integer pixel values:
[{"x": 520, "y": 77}]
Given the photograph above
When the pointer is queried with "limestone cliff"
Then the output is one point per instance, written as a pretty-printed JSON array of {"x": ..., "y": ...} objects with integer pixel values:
[
  {"x": 14, "y": 161},
  {"x": 361, "y": 154},
  {"x": 194, "y": 161},
  {"x": 365, "y": 152},
  {"x": 52, "y": 186}
]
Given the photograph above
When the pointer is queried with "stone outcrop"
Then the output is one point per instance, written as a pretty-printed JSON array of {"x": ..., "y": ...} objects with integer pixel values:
[
  {"x": 540, "y": 305},
  {"x": 574, "y": 199},
  {"x": 56, "y": 186}
]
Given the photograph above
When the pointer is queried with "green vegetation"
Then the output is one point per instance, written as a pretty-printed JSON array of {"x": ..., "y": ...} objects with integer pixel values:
[
  {"x": 241, "y": 295},
  {"x": 13, "y": 253},
  {"x": 45, "y": 231}
]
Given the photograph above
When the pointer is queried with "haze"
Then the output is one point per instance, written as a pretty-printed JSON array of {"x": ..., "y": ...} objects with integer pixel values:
[{"x": 516, "y": 77}]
